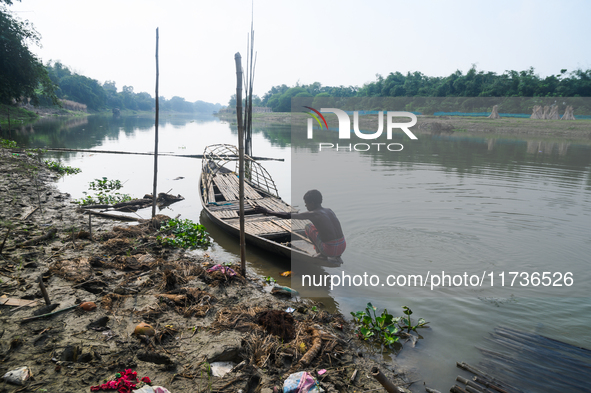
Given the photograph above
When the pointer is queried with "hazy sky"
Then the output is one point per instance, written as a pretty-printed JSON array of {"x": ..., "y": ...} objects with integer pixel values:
[{"x": 331, "y": 42}]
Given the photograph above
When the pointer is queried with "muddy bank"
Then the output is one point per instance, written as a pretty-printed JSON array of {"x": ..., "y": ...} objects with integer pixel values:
[{"x": 199, "y": 316}]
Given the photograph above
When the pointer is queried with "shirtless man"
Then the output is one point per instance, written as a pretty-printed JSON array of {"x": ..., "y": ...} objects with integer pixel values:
[{"x": 325, "y": 231}]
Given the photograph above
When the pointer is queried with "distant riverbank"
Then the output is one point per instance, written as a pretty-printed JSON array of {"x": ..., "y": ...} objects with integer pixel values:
[
  {"x": 16, "y": 116},
  {"x": 571, "y": 129}
]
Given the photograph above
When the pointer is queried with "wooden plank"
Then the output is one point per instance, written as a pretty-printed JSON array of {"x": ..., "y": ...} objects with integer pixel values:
[
  {"x": 228, "y": 184},
  {"x": 210, "y": 193},
  {"x": 225, "y": 213},
  {"x": 17, "y": 302}
]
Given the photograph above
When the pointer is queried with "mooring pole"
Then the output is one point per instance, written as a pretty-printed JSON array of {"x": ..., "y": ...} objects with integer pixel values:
[
  {"x": 154, "y": 191},
  {"x": 238, "y": 60}
]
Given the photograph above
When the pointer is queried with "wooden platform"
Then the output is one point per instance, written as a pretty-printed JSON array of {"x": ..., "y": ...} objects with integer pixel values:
[
  {"x": 265, "y": 226},
  {"x": 228, "y": 185}
]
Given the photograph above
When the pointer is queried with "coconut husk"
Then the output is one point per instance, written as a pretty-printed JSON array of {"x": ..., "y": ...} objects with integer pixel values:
[
  {"x": 258, "y": 349},
  {"x": 77, "y": 269},
  {"x": 117, "y": 245},
  {"x": 238, "y": 318},
  {"x": 278, "y": 323},
  {"x": 188, "y": 301},
  {"x": 112, "y": 301}
]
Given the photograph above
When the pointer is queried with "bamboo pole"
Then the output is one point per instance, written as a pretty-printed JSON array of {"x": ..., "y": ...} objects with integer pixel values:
[
  {"x": 154, "y": 191},
  {"x": 199, "y": 156},
  {"x": 238, "y": 60}
]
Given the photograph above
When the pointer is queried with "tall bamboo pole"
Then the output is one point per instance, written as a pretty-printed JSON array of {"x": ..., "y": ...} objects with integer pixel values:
[
  {"x": 154, "y": 191},
  {"x": 238, "y": 60},
  {"x": 250, "y": 78}
]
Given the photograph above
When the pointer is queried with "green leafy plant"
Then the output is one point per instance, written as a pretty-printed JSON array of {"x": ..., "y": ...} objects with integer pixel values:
[
  {"x": 105, "y": 193},
  {"x": 385, "y": 328},
  {"x": 381, "y": 328},
  {"x": 7, "y": 144},
  {"x": 409, "y": 326},
  {"x": 60, "y": 168},
  {"x": 183, "y": 234}
]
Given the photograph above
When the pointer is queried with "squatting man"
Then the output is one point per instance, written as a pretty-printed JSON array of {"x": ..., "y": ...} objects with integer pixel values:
[{"x": 325, "y": 230}]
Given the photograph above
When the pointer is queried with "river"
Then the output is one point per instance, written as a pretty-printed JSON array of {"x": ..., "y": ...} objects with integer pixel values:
[{"x": 452, "y": 204}]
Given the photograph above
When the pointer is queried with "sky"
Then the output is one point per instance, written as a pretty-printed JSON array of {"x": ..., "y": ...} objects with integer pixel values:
[{"x": 331, "y": 42}]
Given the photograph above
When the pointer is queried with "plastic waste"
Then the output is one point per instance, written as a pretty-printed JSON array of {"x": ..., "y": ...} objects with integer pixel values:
[
  {"x": 18, "y": 376},
  {"x": 228, "y": 271},
  {"x": 219, "y": 369},
  {"x": 284, "y": 291},
  {"x": 152, "y": 389},
  {"x": 302, "y": 382}
]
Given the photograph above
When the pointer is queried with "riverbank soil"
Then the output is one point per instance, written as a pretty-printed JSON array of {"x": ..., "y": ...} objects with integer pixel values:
[{"x": 197, "y": 316}]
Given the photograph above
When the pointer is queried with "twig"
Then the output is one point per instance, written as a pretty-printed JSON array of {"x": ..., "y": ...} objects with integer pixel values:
[
  {"x": 49, "y": 314},
  {"x": 51, "y": 233},
  {"x": 30, "y": 214},
  {"x": 4, "y": 241},
  {"x": 54, "y": 254}
]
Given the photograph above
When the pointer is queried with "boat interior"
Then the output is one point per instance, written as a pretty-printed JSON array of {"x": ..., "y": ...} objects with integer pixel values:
[{"x": 222, "y": 198}]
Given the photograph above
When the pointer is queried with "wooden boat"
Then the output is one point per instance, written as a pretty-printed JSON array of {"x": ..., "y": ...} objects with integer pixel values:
[{"x": 219, "y": 193}]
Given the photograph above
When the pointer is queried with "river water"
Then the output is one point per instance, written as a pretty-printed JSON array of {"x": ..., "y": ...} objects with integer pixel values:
[{"x": 455, "y": 204}]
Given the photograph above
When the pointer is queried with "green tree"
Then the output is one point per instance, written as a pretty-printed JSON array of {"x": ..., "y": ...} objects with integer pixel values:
[
  {"x": 22, "y": 75},
  {"x": 85, "y": 90}
]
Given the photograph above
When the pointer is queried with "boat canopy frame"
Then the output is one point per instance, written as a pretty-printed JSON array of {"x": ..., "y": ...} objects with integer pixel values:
[{"x": 218, "y": 159}]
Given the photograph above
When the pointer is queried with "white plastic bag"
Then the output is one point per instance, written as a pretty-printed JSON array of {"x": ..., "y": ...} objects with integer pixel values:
[
  {"x": 151, "y": 389},
  {"x": 219, "y": 369},
  {"x": 18, "y": 376}
]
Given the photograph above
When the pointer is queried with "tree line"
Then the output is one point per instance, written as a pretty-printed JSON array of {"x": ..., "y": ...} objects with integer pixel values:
[
  {"x": 473, "y": 83},
  {"x": 88, "y": 91},
  {"x": 23, "y": 77}
]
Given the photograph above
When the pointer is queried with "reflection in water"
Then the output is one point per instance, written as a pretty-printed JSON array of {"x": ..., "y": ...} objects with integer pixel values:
[{"x": 547, "y": 147}]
